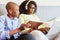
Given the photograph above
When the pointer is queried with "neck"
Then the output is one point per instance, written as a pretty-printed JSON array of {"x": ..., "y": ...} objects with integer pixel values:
[
  {"x": 10, "y": 16},
  {"x": 29, "y": 13}
]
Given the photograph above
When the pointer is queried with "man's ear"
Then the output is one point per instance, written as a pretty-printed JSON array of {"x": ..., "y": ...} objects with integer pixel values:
[{"x": 10, "y": 11}]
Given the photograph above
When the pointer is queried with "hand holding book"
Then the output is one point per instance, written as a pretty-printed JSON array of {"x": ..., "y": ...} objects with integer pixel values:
[{"x": 34, "y": 25}]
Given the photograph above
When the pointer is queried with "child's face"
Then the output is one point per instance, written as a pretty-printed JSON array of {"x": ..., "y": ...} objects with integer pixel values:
[{"x": 31, "y": 8}]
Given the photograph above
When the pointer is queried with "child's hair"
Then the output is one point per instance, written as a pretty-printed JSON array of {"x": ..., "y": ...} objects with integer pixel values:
[{"x": 22, "y": 7}]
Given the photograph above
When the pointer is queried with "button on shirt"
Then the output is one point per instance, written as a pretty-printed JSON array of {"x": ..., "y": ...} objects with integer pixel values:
[{"x": 7, "y": 24}]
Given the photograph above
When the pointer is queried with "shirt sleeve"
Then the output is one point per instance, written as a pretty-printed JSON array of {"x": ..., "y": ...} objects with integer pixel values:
[
  {"x": 19, "y": 24},
  {"x": 3, "y": 33}
]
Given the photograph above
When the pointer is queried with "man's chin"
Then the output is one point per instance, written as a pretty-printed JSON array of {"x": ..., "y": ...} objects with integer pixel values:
[{"x": 17, "y": 16}]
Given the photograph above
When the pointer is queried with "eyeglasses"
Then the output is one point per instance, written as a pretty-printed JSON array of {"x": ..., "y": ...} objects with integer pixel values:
[{"x": 32, "y": 7}]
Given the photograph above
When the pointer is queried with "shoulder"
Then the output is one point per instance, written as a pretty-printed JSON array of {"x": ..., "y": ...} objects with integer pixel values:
[
  {"x": 2, "y": 17},
  {"x": 34, "y": 14},
  {"x": 22, "y": 15}
]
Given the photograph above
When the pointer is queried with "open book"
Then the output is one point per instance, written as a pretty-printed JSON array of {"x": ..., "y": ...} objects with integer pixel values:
[{"x": 34, "y": 24}]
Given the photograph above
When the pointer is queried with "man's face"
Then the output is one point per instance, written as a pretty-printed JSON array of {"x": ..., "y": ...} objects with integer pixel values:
[{"x": 15, "y": 11}]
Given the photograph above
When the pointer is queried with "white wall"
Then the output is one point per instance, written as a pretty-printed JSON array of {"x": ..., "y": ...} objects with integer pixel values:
[
  {"x": 39, "y": 2},
  {"x": 46, "y": 13}
]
